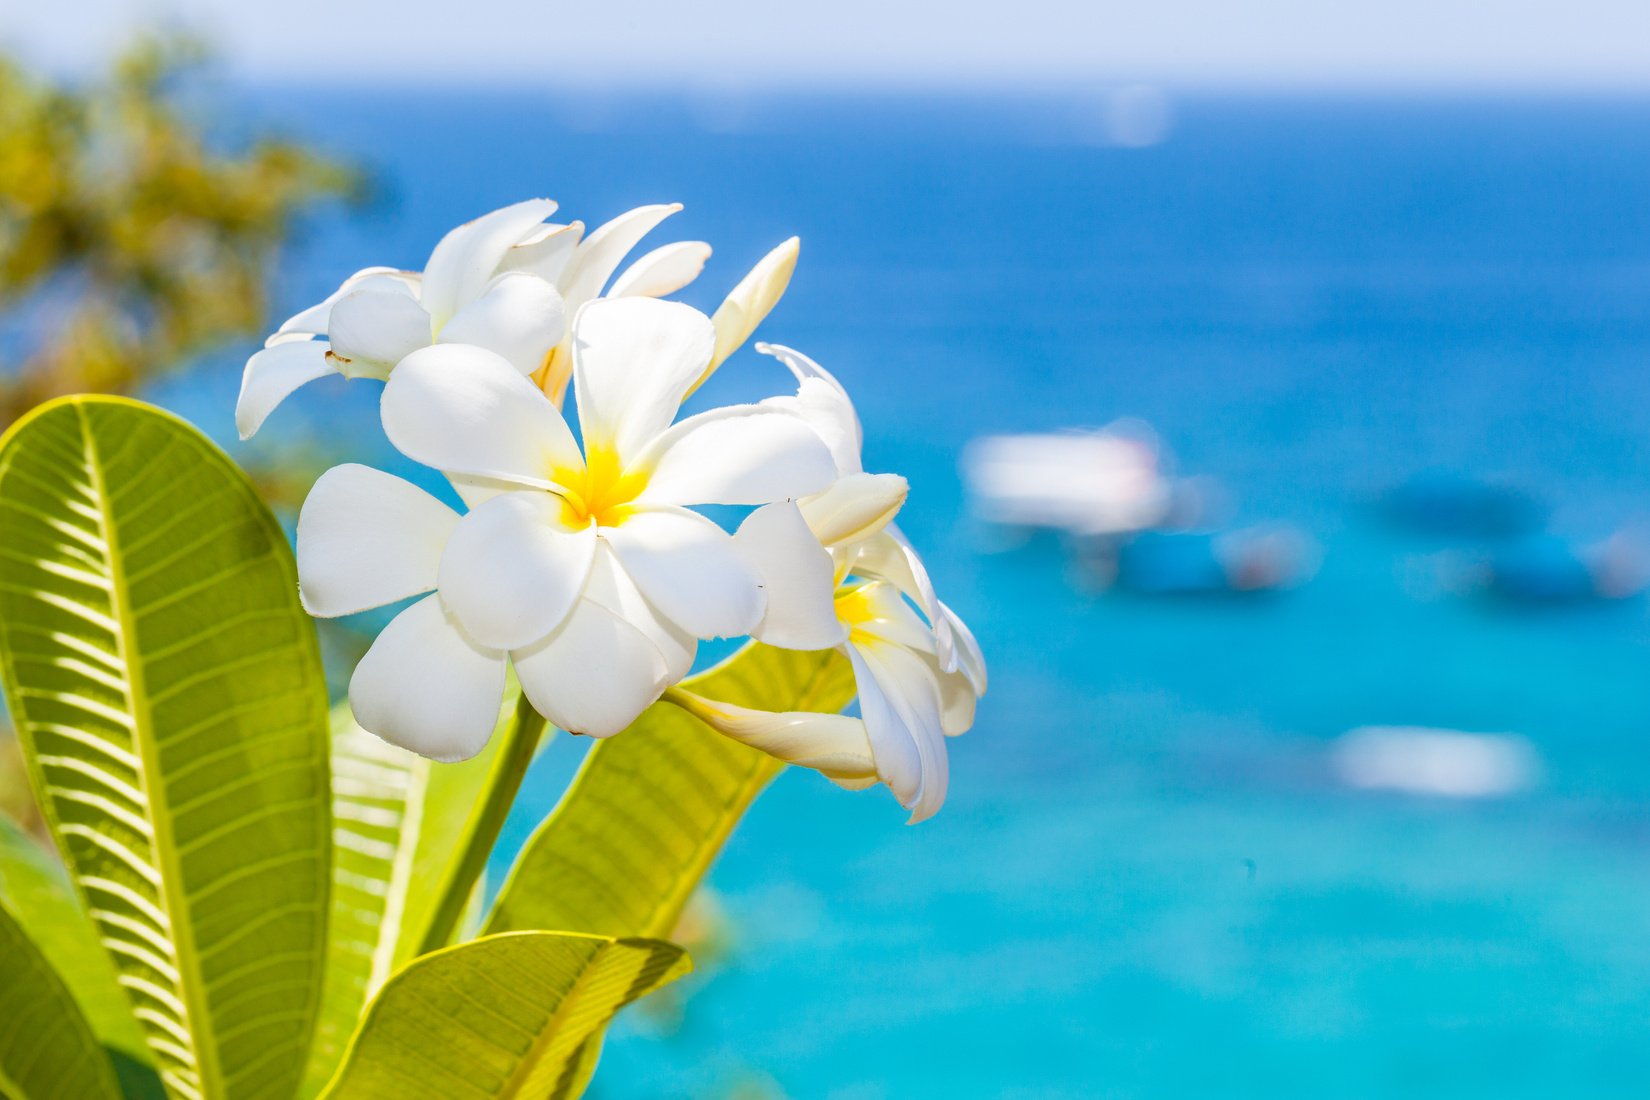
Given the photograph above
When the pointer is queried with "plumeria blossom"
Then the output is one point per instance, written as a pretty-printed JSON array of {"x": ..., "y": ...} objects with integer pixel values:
[
  {"x": 506, "y": 282},
  {"x": 838, "y": 574},
  {"x": 583, "y": 565}
]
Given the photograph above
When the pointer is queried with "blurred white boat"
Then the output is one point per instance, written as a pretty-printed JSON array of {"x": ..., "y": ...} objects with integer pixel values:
[
  {"x": 1441, "y": 762},
  {"x": 1110, "y": 481}
]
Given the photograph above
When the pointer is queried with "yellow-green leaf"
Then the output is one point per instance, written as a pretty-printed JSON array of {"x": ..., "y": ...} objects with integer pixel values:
[
  {"x": 399, "y": 821},
  {"x": 36, "y": 891},
  {"x": 47, "y": 1050},
  {"x": 650, "y": 808},
  {"x": 498, "y": 1018},
  {"x": 167, "y": 690}
]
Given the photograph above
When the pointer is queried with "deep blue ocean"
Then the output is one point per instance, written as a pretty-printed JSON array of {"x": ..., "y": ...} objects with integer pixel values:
[{"x": 1148, "y": 881}]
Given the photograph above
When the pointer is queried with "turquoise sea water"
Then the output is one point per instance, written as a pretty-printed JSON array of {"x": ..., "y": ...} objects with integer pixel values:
[{"x": 1148, "y": 881}]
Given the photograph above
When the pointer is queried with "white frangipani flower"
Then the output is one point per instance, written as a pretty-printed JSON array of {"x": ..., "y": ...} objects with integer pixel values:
[
  {"x": 585, "y": 565},
  {"x": 838, "y": 574},
  {"x": 909, "y": 701},
  {"x": 366, "y": 539},
  {"x": 506, "y": 282}
]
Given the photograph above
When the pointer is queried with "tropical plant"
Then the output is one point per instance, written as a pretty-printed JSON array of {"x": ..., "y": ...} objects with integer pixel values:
[
  {"x": 257, "y": 898},
  {"x": 261, "y": 897}
]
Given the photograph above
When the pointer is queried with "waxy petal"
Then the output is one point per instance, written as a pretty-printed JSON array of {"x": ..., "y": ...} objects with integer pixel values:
[
  {"x": 426, "y": 687},
  {"x": 366, "y": 539},
  {"x": 854, "y": 507},
  {"x": 888, "y": 555},
  {"x": 313, "y": 321},
  {"x": 893, "y": 746},
  {"x": 467, "y": 410},
  {"x": 885, "y": 616},
  {"x": 690, "y": 570},
  {"x": 822, "y": 401},
  {"x": 633, "y": 359},
  {"x": 797, "y": 576},
  {"x": 272, "y": 374},
  {"x": 519, "y": 316},
  {"x": 958, "y": 700},
  {"x": 599, "y": 254},
  {"x": 833, "y": 744},
  {"x": 374, "y": 328},
  {"x": 663, "y": 271},
  {"x": 545, "y": 251},
  {"x": 595, "y": 675},
  {"x": 467, "y": 258},
  {"x": 900, "y": 702},
  {"x": 738, "y": 454},
  {"x": 750, "y": 302},
  {"x": 967, "y": 657},
  {"x": 613, "y": 589},
  {"x": 512, "y": 570}
]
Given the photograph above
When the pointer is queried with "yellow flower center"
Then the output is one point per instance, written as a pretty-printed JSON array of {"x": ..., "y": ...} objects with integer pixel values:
[
  {"x": 854, "y": 608},
  {"x": 601, "y": 493}
]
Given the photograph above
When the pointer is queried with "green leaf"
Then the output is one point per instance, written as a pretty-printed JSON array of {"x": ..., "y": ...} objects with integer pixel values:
[
  {"x": 37, "y": 893},
  {"x": 499, "y": 1017},
  {"x": 167, "y": 689},
  {"x": 399, "y": 824},
  {"x": 650, "y": 808},
  {"x": 47, "y": 1050}
]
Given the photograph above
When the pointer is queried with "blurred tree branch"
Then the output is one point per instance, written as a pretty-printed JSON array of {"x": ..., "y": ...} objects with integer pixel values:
[{"x": 128, "y": 243}]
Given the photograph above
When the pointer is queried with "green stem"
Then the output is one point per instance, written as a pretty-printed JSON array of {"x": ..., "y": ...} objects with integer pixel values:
[{"x": 521, "y": 740}]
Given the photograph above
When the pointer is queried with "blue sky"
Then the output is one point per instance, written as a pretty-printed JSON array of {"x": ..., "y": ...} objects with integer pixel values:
[{"x": 1558, "y": 44}]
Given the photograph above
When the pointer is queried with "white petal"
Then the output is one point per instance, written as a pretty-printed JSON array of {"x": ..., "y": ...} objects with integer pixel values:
[
  {"x": 662, "y": 271},
  {"x": 375, "y": 327},
  {"x": 633, "y": 359},
  {"x": 737, "y": 454},
  {"x": 613, "y": 589},
  {"x": 466, "y": 259},
  {"x": 272, "y": 374},
  {"x": 909, "y": 706},
  {"x": 824, "y": 403},
  {"x": 889, "y": 556},
  {"x": 367, "y": 538},
  {"x": 466, "y": 410},
  {"x": 797, "y": 577},
  {"x": 957, "y": 698},
  {"x": 689, "y": 569},
  {"x": 832, "y": 744},
  {"x": 518, "y": 315},
  {"x": 599, "y": 254},
  {"x": 426, "y": 687},
  {"x": 313, "y": 321},
  {"x": 893, "y": 745},
  {"x": 476, "y": 491},
  {"x": 595, "y": 675},
  {"x": 545, "y": 251},
  {"x": 969, "y": 659},
  {"x": 854, "y": 507},
  {"x": 879, "y": 611},
  {"x": 513, "y": 569},
  {"x": 749, "y": 303}
]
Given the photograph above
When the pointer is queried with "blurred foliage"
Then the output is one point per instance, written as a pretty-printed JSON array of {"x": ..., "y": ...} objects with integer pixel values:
[
  {"x": 133, "y": 238},
  {"x": 129, "y": 241}
]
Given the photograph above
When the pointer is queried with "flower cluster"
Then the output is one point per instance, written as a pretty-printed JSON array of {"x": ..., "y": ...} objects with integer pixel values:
[{"x": 580, "y": 559}]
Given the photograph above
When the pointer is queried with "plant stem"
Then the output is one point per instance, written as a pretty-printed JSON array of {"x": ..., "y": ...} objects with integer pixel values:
[{"x": 521, "y": 740}]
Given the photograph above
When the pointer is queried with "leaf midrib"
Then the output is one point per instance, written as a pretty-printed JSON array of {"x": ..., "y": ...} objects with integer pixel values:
[
  {"x": 546, "y": 1037},
  {"x": 172, "y": 897}
]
